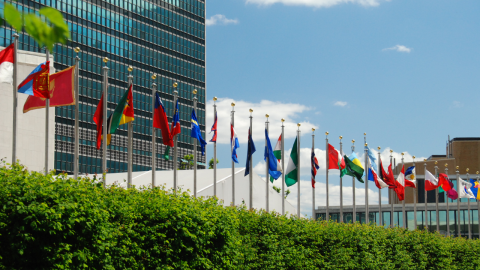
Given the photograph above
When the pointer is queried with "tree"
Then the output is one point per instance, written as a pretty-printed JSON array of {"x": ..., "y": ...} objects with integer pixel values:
[
  {"x": 278, "y": 190},
  {"x": 47, "y": 29},
  {"x": 210, "y": 163},
  {"x": 188, "y": 163}
]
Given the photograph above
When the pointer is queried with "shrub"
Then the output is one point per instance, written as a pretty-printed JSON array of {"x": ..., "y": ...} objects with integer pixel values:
[{"x": 61, "y": 223}]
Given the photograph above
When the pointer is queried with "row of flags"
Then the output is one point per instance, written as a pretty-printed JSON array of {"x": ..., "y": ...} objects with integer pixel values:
[{"x": 39, "y": 84}]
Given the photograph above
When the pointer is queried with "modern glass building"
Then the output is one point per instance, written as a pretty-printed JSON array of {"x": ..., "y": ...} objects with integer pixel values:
[
  {"x": 163, "y": 37},
  {"x": 374, "y": 216}
]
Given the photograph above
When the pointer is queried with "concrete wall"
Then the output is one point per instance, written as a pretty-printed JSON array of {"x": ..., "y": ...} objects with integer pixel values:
[{"x": 31, "y": 125}]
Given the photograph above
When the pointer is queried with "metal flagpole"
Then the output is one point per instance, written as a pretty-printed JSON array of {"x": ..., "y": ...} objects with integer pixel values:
[
  {"x": 448, "y": 209},
  {"x": 437, "y": 215},
  {"x": 414, "y": 200},
  {"x": 341, "y": 183},
  {"x": 284, "y": 169},
  {"x": 380, "y": 213},
  {"x": 327, "y": 216},
  {"x": 298, "y": 171},
  {"x": 403, "y": 202},
  {"x": 195, "y": 149},
  {"x": 266, "y": 169},
  {"x": 15, "y": 99},
  {"x": 175, "y": 140},
  {"x": 233, "y": 162},
  {"x": 215, "y": 153},
  {"x": 313, "y": 189},
  {"x": 426, "y": 201},
  {"x": 367, "y": 214},
  {"x": 250, "y": 166},
  {"x": 478, "y": 207},
  {"x": 105, "y": 118},
  {"x": 47, "y": 115},
  {"x": 154, "y": 138},
  {"x": 354, "y": 214},
  {"x": 130, "y": 136},
  {"x": 77, "y": 137},
  {"x": 392, "y": 197},
  {"x": 468, "y": 200},
  {"x": 459, "y": 233}
]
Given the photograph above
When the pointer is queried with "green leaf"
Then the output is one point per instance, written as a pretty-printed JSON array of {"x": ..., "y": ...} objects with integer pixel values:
[
  {"x": 55, "y": 18},
  {"x": 13, "y": 17}
]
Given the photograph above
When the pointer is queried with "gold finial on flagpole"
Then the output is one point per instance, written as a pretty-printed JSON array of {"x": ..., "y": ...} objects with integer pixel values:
[
  {"x": 379, "y": 148},
  {"x": 77, "y": 49},
  {"x": 154, "y": 76},
  {"x": 130, "y": 68},
  {"x": 194, "y": 91},
  {"x": 233, "y": 104},
  {"x": 283, "y": 120},
  {"x": 175, "y": 85},
  {"x": 341, "y": 137},
  {"x": 105, "y": 60}
]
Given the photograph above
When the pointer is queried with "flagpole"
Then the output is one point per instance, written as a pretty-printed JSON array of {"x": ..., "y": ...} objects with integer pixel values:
[
  {"x": 448, "y": 210},
  {"x": 298, "y": 172},
  {"x": 458, "y": 204},
  {"x": 380, "y": 213},
  {"x": 175, "y": 139},
  {"x": 437, "y": 215},
  {"x": 15, "y": 99},
  {"x": 414, "y": 199},
  {"x": 250, "y": 175},
  {"x": 195, "y": 149},
  {"x": 233, "y": 162},
  {"x": 367, "y": 214},
  {"x": 327, "y": 216},
  {"x": 130, "y": 136},
  {"x": 284, "y": 169},
  {"x": 468, "y": 200},
  {"x": 215, "y": 153},
  {"x": 392, "y": 197},
  {"x": 404, "y": 221},
  {"x": 105, "y": 118},
  {"x": 341, "y": 183},
  {"x": 313, "y": 189},
  {"x": 478, "y": 207},
  {"x": 426, "y": 201},
  {"x": 354, "y": 215},
  {"x": 47, "y": 115},
  {"x": 266, "y": 168},
  {"x": 154, "y": 138},
  {"x": 77, "y": 138}
]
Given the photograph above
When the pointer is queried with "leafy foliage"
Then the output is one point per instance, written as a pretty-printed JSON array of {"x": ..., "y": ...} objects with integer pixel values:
[
  {"x": 210, "y": 163},
  {"x": 61, "y": 223},
  {"x": 47, "y": 29}
]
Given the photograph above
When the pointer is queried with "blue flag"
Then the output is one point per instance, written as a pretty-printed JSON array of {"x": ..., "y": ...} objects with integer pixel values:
[
  {"x": 196, "y": 133},
  {"x": 250, "y": 151},
  {"x": 372, "y": 157},
  {"x": 274, "y": 168}
]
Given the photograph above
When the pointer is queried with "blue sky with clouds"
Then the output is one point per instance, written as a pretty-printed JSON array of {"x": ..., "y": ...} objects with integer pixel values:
[{"x": 406, "y": 72}]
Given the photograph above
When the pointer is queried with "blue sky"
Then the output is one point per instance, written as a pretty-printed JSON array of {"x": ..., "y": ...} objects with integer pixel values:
[{"x": 405, "y": 72}]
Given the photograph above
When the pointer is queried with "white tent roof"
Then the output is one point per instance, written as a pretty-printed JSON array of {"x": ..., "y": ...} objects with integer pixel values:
[{"x": 205, "y": 186}]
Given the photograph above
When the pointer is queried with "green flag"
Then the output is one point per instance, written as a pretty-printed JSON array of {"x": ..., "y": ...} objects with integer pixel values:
[
  {"x": 354, "y": 168},
  {"x": 291, "y": 171},
  {"x": 166, "y": 155}
]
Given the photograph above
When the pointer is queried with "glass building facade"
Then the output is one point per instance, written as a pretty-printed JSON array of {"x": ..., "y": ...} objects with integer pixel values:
[{"x": 163, "y": 37}]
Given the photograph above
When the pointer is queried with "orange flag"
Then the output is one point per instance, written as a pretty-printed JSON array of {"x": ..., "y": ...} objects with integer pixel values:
[{"x": 61, "y": 91}]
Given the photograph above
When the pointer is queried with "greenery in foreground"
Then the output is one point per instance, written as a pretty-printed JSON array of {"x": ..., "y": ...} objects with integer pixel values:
[{"x": 68, "y": 224}]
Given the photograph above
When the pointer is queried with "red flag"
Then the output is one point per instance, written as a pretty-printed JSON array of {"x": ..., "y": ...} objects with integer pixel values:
[
  {"x": 61, "y": 91},
  {"x": 443, "y": 181},
  {"x": 400, "y": 185},
  {"x": 98, "y": 119},
  {"x": 160, "y": 121},
  {"x": 335, "y": 160}
]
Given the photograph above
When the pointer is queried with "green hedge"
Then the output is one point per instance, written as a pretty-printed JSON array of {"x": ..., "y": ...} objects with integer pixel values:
[{"x": 66, "y": 224}]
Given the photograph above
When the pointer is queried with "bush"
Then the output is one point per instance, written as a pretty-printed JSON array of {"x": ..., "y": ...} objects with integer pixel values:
[{"x": 61, "y": 223}]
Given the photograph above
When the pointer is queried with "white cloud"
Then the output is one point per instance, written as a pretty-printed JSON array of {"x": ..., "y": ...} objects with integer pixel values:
[
  {"x": 276, "y": 110},
  {"x": 399, "y": 48},
  {"x": 457, "y": 104},
  {"x": 220, "y": 19},
  {"x": 316, "y": 3},
  {"x": 340, "y": 103}
]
